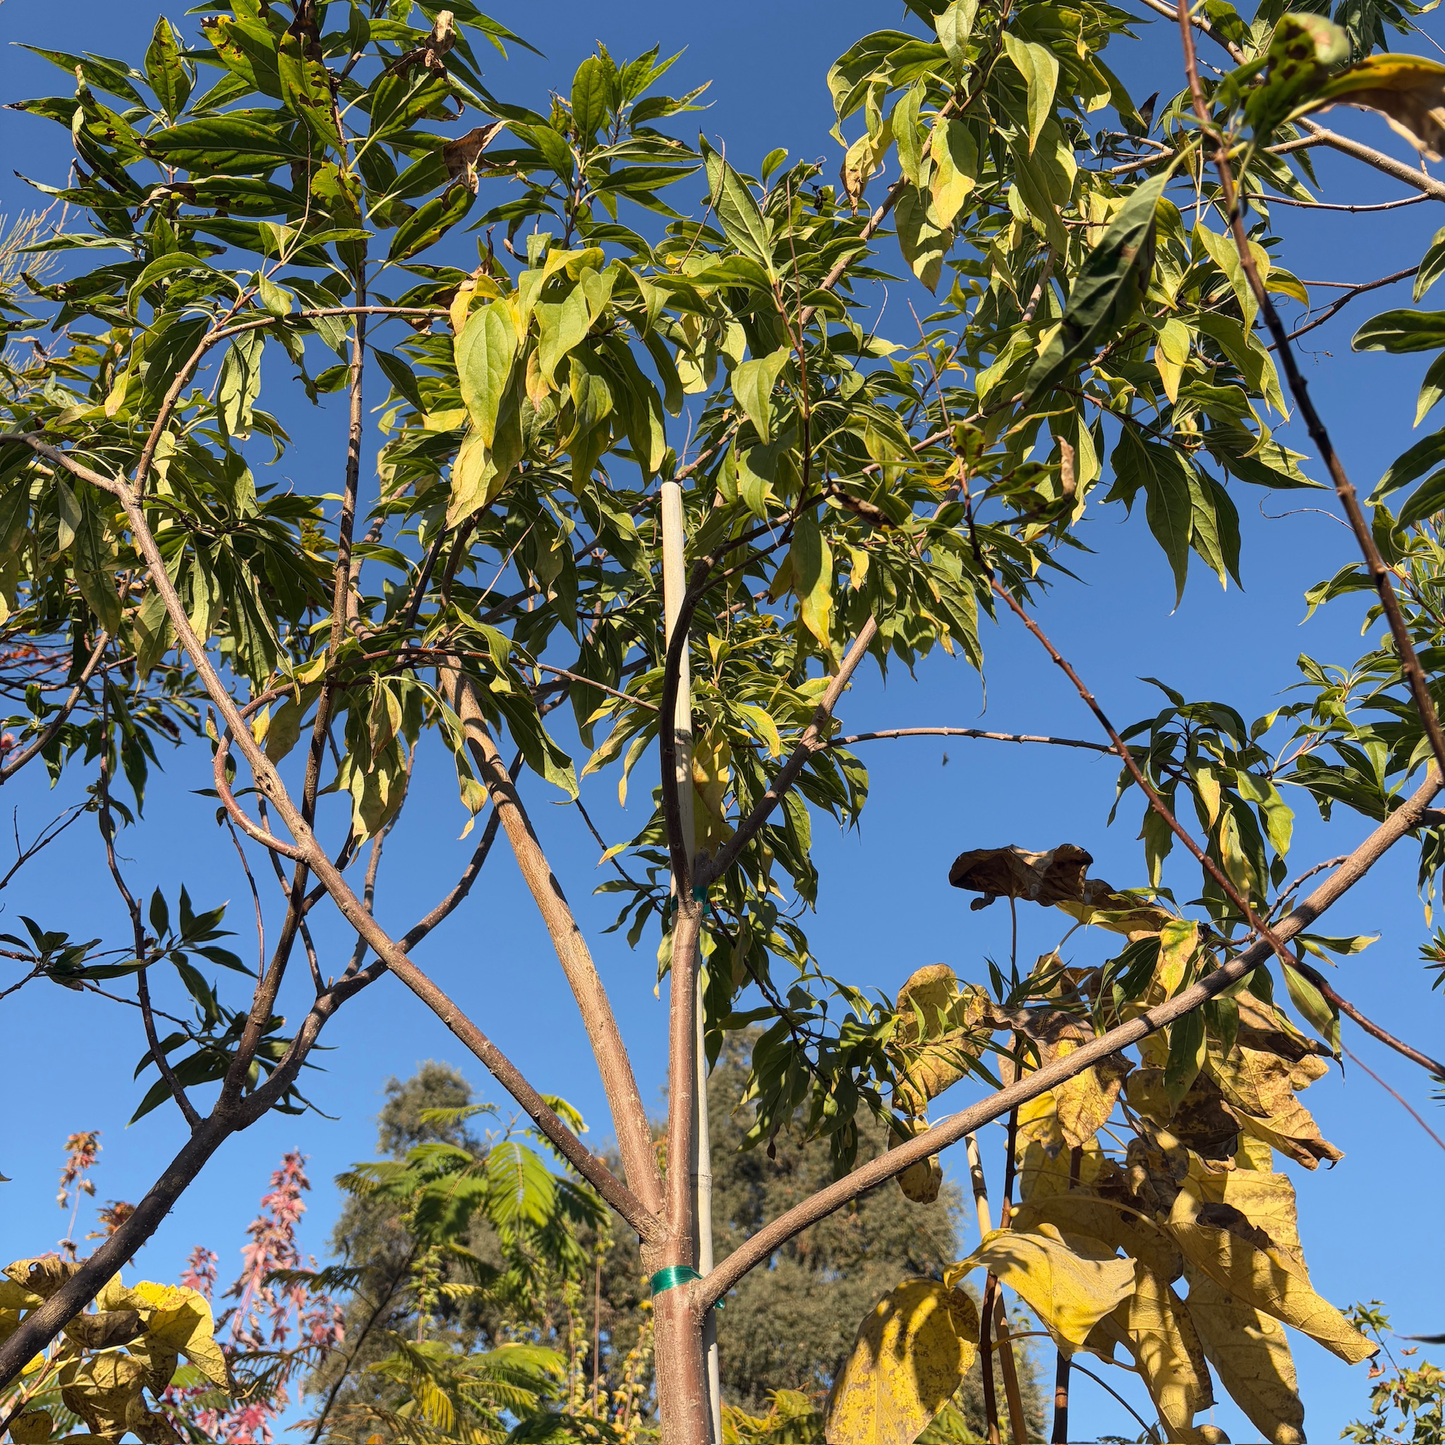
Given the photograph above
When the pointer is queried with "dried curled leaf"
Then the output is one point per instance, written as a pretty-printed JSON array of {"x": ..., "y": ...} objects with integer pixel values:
[
  {"x": 1057, "y": 878},
  {"x": 910, "y": 1356},
  {"x": 1251, "y": 1355},
  {"x": 1201, "y": 1120},
  {"x": 1069, "y": 1281},
  {"x": 1243, "y": 1260}
]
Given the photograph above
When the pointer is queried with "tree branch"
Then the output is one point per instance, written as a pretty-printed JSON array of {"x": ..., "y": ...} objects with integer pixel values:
[
  {"x": 1319, "y": 433},
  {"x": 793, "y": 1221},
  {"x": 271, "y": 787},
  {"x": 629, "y": 1116}
]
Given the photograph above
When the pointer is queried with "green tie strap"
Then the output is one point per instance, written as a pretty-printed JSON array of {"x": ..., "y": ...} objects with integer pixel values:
[{"x": 672, "y": 1275}]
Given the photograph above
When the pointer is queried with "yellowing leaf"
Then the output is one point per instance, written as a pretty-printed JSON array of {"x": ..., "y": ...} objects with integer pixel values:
[
  {"x": 1159, "y": 1333},
  {"x": 1070, "y": 1282},
  {"x": 1251, "y": 1355},
  {"x": 955, "y": 170},
  {"x": 1242, "y": 1260},
  {"x": 1040, "y": 70},
  {"x": 1408, "y": 90},
  {"x": 485, "y": 352},
  {"x": 938, "y": 1037},
  {"x": 1085, "y": 1102},
  {"x": 179, "y": 1318},
  {"x": 910, "y": 1356}
]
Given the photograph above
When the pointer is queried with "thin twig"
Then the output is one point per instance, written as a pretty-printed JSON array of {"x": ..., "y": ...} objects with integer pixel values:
[
  {"x": 14, "y": 765},
  {"x": 887, "y": 733},
  {"x": 1333, "y": 206},
  {"x": 1402, "y": 1102},
  {"x": 1368, "y": 1024},
  {"x": 1344, "y": 300}
]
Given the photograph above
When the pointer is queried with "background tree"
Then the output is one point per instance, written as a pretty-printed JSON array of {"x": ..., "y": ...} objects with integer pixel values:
[{"x": 538, "y": 533}]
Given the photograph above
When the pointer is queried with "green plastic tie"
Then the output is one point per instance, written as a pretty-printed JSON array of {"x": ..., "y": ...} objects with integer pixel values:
[{"x": 673, "y": 1275}]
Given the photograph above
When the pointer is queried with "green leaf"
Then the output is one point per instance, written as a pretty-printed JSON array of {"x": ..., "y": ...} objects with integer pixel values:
[
  {"x": 737, "y": 210},
  {"x": 1432, "y": 265},
  {"x": 166, "y": 71},
  {"x": 429, "y": 222},
  {"x": 753, "y": 383},
  {"x": 812, "y": 561},
  {"x": 1108, "y": 289},
  {"x": 904, "y": 125},
  {"x": 1186, "y": 1055},
  {"x": 1431, "y": 389},
  {"x": 562, "y": 326},
  {"x": 486, "y": 353},
  {"x": 1169, "y": 510},
  {"x": 590, "y": 94},
  {"x": 1415, "y": 462},
  {"x": 1427, "y": 499},
  {"x": 1041, "y": 70},
  {"x": 923, "y": 244},
  {"x": 239, "y": 143},
  {"x": 1401, "y": 331}
]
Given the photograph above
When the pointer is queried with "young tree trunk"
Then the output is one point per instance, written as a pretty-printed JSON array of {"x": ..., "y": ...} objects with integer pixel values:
[{"x": 682, "y": 1393}]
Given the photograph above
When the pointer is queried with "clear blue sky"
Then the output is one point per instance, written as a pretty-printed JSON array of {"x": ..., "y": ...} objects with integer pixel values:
[{"x": 885, "y": 906}]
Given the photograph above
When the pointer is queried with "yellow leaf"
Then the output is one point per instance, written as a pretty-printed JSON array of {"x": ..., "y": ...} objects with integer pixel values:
[
  {"x": 1082, "y": 1212},
  {"x": 179, "y": 1318},
  {"x": 103, "y": 1390},
  {"x": 910, "y": 1356},
  {"x": 955, "y": 170},
  {"x": 476, "y": 480},
  {"x": 939, "y": 1034},
  {"x": 39, "y": 1276},
  {"x": 1069, "y": 1281},
  {"x": 1085, "y": 1102},
  {"x": 1252, "y": 1358},
  {"x": 15, "y": 1296},
  {"x": 1159, "y": 1333},
  {"x": 32, "y": 1426},
  {"x": 1242, "y": 1259}
]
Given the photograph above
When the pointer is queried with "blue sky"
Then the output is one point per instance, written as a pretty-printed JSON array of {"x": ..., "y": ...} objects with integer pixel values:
[{"x": 885, "y": 905}]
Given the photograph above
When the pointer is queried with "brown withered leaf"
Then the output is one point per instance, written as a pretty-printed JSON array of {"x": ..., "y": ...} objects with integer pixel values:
[
  {"x": 460, "y": 156},
  {"x": 1251, "y": 1355},
  {"x": 1201, "y": 1120},
  {"x": 1054, "y": 878},
  {"x": 1295, "y": 1134}
]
